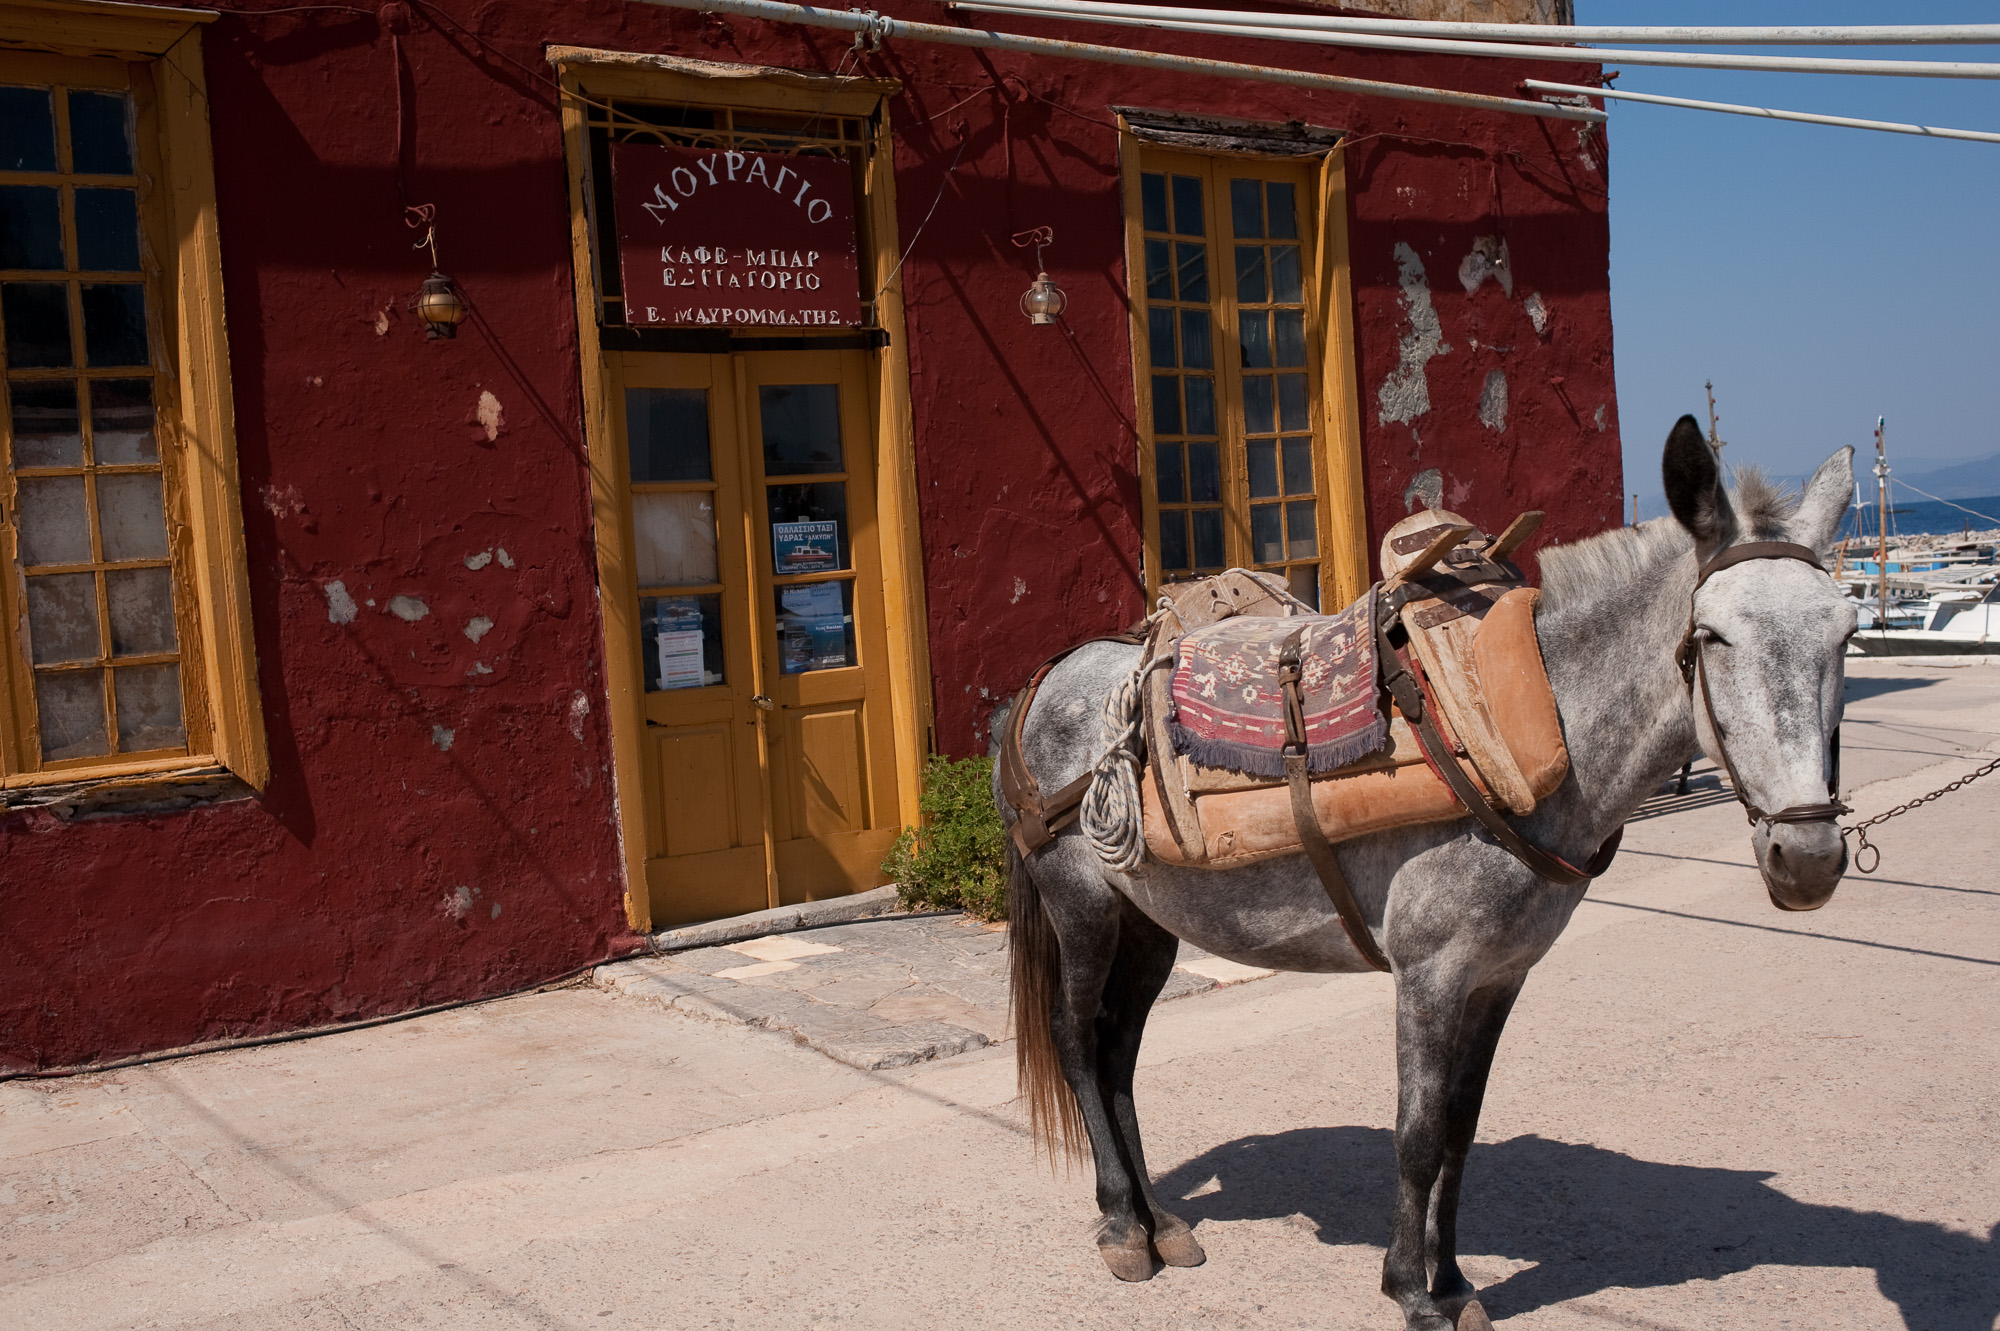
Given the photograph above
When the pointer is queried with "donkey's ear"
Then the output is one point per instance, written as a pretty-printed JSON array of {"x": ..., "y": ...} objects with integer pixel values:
[
  {"x": 1693, "y": 481},
  {"x": 1825, "y": 501}
]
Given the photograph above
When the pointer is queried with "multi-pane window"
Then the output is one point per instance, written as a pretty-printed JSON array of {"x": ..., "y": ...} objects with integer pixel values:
[
  {"x": 92, "y": 582},
  {"x": 1235, "y": 442}
]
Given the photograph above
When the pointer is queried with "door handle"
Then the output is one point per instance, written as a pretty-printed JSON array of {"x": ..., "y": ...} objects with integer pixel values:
[{"x": 762, "y": 703}]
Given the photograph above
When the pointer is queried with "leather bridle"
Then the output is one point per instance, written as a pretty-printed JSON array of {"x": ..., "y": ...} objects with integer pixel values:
[{"x": 1694, "y": 667}]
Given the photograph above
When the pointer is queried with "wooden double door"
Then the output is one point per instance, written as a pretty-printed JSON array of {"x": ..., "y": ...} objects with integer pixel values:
[{"x": 768, "y": 770}]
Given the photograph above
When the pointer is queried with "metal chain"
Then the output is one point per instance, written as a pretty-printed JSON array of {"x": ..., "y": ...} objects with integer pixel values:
[{"x": 1861, "y": 829}]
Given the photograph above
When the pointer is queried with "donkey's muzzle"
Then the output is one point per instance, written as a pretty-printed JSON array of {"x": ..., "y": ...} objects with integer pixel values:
[{"x": 1801, "y": 862}]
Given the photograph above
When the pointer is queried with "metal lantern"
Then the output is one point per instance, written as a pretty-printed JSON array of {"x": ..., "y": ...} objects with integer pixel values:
[
  {"x": 440, "y": 307},
  {"x": 1043, "y": 302}
]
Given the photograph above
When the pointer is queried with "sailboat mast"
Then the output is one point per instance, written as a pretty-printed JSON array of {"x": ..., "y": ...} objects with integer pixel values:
[{"x": 1882, "y": 511}]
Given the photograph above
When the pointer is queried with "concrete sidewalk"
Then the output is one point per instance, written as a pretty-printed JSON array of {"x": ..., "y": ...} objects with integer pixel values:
[{"x": 1705, "y": 1114}]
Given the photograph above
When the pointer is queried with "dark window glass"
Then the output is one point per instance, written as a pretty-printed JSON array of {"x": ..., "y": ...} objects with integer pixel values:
[
  {"x": 1187, "y": 207},
  {"x": 141, "y": 602},
  {"x": 1159, "y": 271},
  {"x": 816, "y": 501},
  {"x": 37, "y": 319},
  {"x": 1197, "y": 350},
  {"x": 1298, "y": 466},
  {"x": 1166, "y": 404},
  {"x": 31, "y": 226},
  {"x": 1246, "y": 208},
  {"x": 681, "y": 641},
  {"x": 815, "y": 627},
  {"x": 1305, "y": 583},
  {"x": 1267, "y": 545},
  {"x": 1250, "y": 274},
  {"x": 1254, "y": 335},
  {"x": 121, "y": 421},
  {"x": 114, "y": 324},
  {"x": 47, "y": 429},
  {"x": 1204, "y": 473},
  {"x": 1284, "y": 212},
  {"x": 149, "y": 708},
  {"x": 1160, "y": 330},
  {"x": 1200, "y": 404},
  {"x": 1167, "y": 481},
  {"x": 99, "y": 144},
  {"x": 1263, "y": 468},
  {"x": 107, "y": 230},
  {"x": 1207, "y": 537},
  {"x": 1292, "y": 413},
  {"x": 1286, "y": 287},
  {"x": 801, "y": 429},
  {"x": 62, "y": 619},
  {"x": 27, "y": 130},
  {"x": 1291, "y": 348},
  {"x": 1257, "y": 404},
  {"x": 69, "y": 708},
  {"x": 1192, "y": 260},
  {"x": 1174, "y": 541},
  {"x": 1153, "y": 201},
  {"x": 1302, "y": 529}
]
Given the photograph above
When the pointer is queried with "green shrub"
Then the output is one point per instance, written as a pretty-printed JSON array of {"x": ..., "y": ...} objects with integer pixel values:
[{"x": 957, "y": 859}]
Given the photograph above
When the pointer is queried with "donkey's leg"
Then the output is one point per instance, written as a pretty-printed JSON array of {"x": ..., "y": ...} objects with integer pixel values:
[
  {"x": 1145, "y": 959},
  {"x": 1089, "y": 928},
  {"x": 1430, "y": 1011},
  {"x": 1485, "y": 1017}
]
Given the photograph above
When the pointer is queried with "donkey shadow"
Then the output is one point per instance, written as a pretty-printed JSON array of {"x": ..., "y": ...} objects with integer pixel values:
[{"x": 1591, "y": 1219}]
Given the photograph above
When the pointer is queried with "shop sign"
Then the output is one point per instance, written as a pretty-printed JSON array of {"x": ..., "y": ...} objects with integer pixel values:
[
  {"x": 713, "y": 237},
  {"x": 805, "y": 547}
]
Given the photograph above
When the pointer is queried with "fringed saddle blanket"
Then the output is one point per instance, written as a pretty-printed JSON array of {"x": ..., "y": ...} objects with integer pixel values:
[{"x": 1229, "y": 712}]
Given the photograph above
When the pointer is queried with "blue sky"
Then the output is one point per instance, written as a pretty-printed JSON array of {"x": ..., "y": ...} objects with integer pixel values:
[{"x": 1821, "y": 277}]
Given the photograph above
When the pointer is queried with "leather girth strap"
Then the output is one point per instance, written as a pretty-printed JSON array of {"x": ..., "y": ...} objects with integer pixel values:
[
  {"x": 1405, "y": 688},
  {"x": 1312, "y": 838},
  {"x": 1037, "y": 820}
]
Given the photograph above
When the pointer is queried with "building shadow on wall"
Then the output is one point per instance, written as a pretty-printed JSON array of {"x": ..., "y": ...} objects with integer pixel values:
[{"x": 1591, "y": 1219}]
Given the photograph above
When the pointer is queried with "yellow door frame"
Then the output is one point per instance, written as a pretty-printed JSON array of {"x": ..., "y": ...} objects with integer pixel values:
[{"x": 587, "y": 74}]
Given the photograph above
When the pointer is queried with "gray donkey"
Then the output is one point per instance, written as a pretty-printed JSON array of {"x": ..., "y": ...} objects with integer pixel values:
[{"x": 1761, "y": 633}]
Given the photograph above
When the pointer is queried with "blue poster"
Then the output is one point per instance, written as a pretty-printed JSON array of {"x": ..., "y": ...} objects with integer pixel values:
[{"x": 805, "y": 547}]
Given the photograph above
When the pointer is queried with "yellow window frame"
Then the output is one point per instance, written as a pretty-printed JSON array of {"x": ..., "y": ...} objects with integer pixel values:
[{"x": 161, "y": 51}]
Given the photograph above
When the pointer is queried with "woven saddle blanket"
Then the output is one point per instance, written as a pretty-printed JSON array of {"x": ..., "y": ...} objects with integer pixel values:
[{"x": 1229, "y": 712}]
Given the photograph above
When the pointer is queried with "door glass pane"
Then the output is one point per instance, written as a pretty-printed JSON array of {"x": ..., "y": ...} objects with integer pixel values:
[
  {"x": 37, "y": 319},
  {"x": 1292, "y": 412},
  {"x": 121, "y": 421},
  {"x": 801, "y": 427},
  {"x": 1298, "y": 466},
  {"x": 1263, "y": 468},
  {"x": 1302, "y": 529},
  {"x": 1284, "y": 212},
  {"x": 1160, "y": 338},
  {"x": 1204, "y": 473},
  {"x": 132, "y": 522},
  {"x": 1207, "y": 538},
  {"x": 1291, "y": 339},
  {"x": 99, "y": 144},
  {"x": 1153, "y": 201},
  {"x": 142, "y": 610},
  {"x": 1188, "y": 220},
  {"x": 1254, "y": 333},
  {"x": 808, "y": 527},
  {"x": 62, "y": 618},
  {"x": 1200, "y": 404},
  {"x": 681, "y": 641},
  {"x": 1166, "y": 404},
  {"x": 674, "y": 536},
  {"x": 1257, "y": 404},
  {"x": 30, "y": 226},
  {"x": 815, "y": 627},
  {"x": 1167, "y": 473},
  {"x": 1250, "y": 273},
  {"x": 1159, "y": 271},
  {"x": 27, "y": 130},
  {"x": 54, "y": 524},
  {"x": 1287, "y": 287},
  {"x": 47, "y": 431},
  {"x": 1197, "y": 350},
  {"x": 70, "y": 707},
  {"x": 1246, "y": 208},
  {"x": 1174, "y": 541},
  {"x": 114, "y": 323},
  {"x": 1305, "y": 583},
  {"x": 1266, "y": 545},
  {"x": 666, "y": 434},
  {"x": 1191, "y": 261},
  {"x": 149, "y": 707},
  {"x": 107, "y": 230}
]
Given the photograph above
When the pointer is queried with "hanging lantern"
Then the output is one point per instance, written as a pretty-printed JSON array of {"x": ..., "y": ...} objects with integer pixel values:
[
  {"x": 1043, "y": 302},
  {"x": 440, "y": 306}
]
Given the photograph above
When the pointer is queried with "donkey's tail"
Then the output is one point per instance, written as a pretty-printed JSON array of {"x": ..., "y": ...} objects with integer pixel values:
[{"x": 1053, "y": 1119}]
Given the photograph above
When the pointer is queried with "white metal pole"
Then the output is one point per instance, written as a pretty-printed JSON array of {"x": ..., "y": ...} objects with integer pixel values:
[
  {"x": 1803, "y": 117},
  {"x": 1311, "y": 28},
  {"x": 1913, "y": 34},
  {"x": 878, "y": 27}
]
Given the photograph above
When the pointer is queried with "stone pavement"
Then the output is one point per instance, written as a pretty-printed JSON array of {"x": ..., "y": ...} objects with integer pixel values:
[{"x": 879, "y": 993}]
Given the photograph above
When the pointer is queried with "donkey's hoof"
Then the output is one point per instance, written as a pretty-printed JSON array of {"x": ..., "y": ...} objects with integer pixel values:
[
  {"x": 1128, "y": 1262},
  {"x": 1472, "y": 1317},
  {"x": 1175, "y": 1242}
]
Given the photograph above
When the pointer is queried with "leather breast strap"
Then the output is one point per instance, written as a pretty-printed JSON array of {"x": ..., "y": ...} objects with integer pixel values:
[
  {"x": 1403, "y": 686},
  {"x": 1037, "y": 820},
  {"x": 1318, "y": 850},
  {"x": 1695, "y": 666}
]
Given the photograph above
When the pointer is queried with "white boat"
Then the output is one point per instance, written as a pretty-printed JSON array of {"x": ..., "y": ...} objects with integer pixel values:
[{"x": 1956, "y": 622}]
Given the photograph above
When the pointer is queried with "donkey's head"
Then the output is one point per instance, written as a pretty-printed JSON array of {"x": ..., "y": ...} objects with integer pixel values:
[{"x": 1769, "y": 634}]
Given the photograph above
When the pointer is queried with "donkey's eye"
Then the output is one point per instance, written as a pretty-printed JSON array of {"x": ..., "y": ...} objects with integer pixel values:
[{"x": 1709, "y": 635}]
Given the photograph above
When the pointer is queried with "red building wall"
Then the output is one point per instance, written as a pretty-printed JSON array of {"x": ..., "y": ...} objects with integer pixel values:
[{"x": 440, "y": 821}]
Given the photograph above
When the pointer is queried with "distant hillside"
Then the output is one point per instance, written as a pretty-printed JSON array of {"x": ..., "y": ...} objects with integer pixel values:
[{"x": 1960, "y": 480}]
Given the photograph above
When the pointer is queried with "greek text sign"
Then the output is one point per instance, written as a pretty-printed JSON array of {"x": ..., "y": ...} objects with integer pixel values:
[{"x": 708, "y": 236}]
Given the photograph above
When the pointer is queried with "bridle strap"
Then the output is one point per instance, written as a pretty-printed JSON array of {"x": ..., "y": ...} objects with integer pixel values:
[{"x": 1694, "y": 666}]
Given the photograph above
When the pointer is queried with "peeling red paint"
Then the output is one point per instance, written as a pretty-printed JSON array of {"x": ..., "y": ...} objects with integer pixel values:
[{"x": 369, "y": 461}]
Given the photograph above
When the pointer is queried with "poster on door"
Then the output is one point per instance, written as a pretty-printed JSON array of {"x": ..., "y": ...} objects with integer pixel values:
[
  {"x": 805, "y": 547},
  {"x": 712, "y": 237}
]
